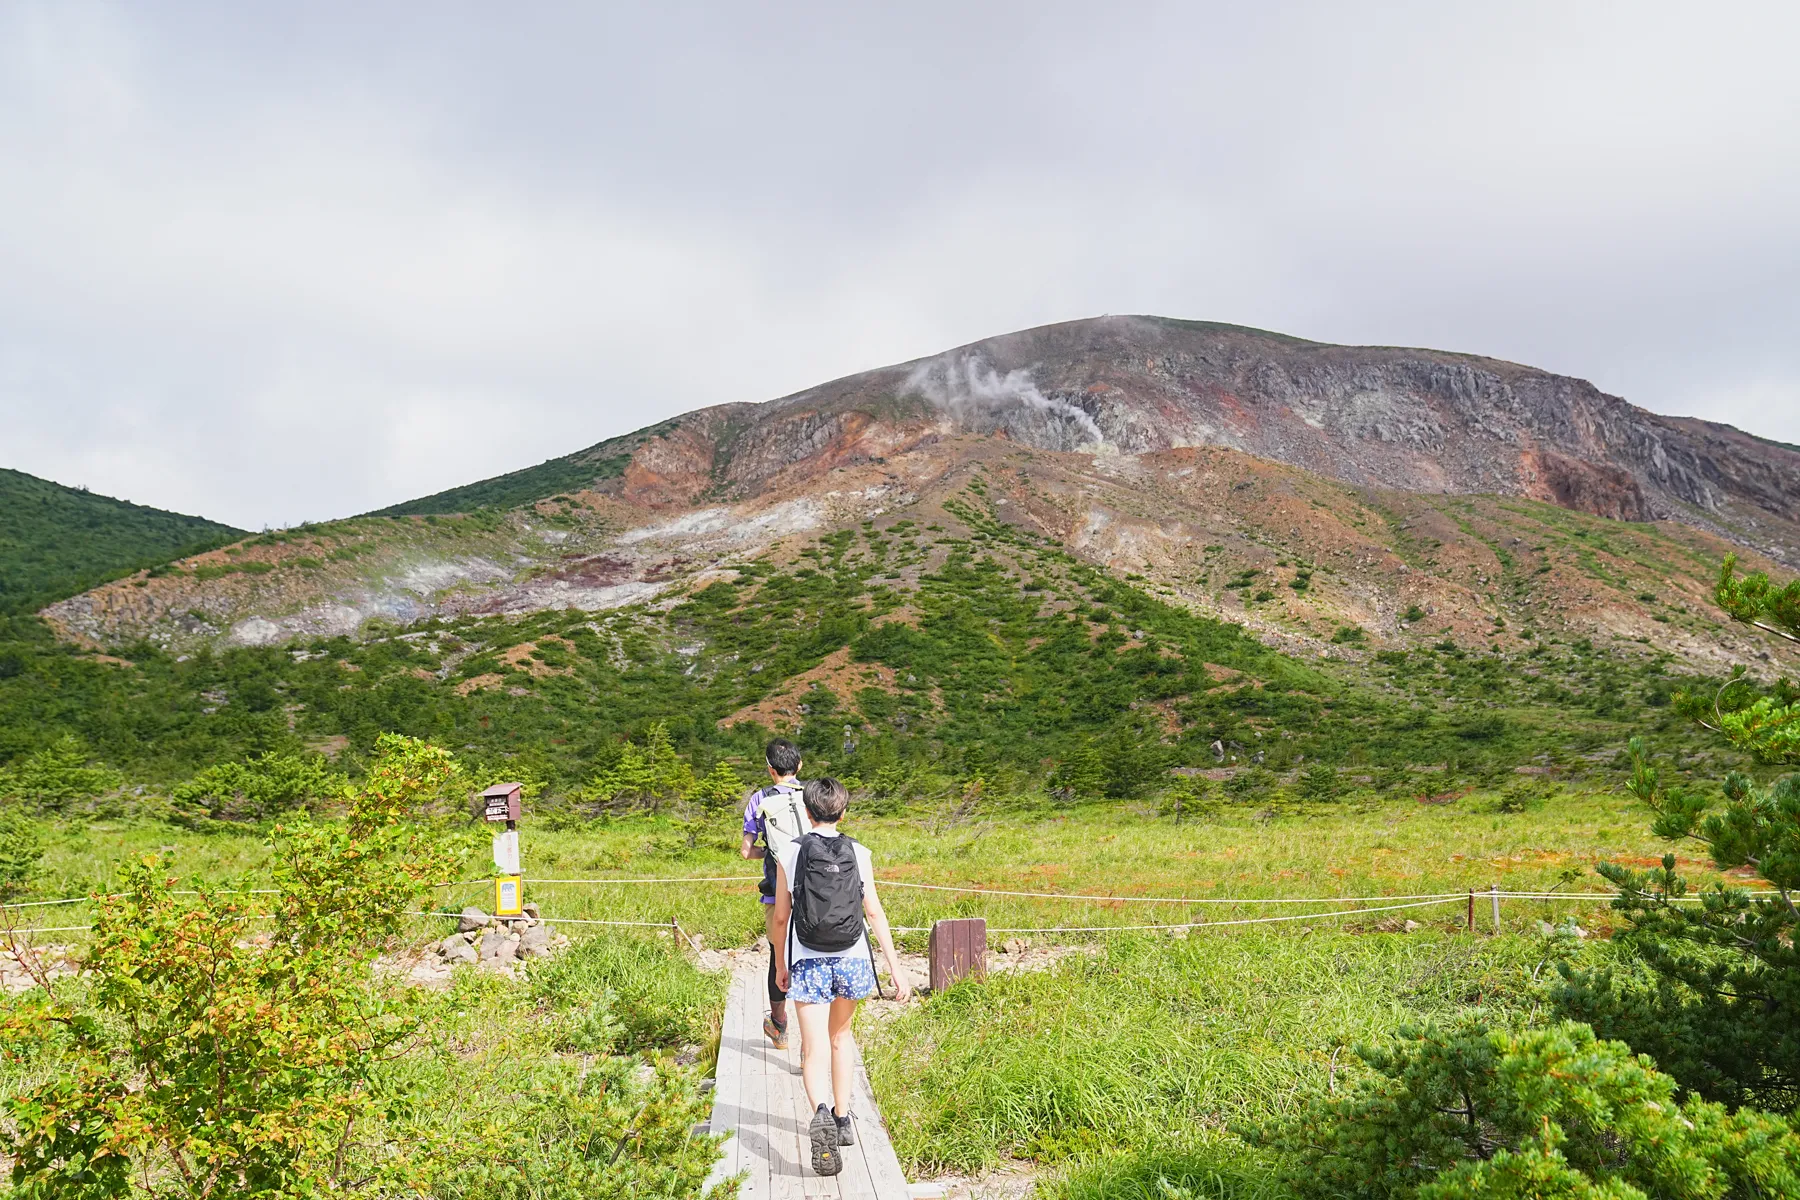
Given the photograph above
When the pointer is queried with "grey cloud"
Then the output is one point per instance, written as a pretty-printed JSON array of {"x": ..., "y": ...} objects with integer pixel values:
[{"x": 273, "y": 265}]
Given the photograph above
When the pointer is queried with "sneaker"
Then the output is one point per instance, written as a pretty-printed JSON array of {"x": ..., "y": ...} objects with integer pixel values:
[
  {"x": 777, "y": 1034},
  {"x": 846, "y": 1128},
  {"x": 824, "y": 1131}
]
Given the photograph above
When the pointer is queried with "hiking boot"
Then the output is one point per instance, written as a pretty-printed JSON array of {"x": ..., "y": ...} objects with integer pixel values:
[
  {"x": 824, "y": 1131},
  {"x": 846, "y": 1128},
  {"x": 777, "y": 1034}
]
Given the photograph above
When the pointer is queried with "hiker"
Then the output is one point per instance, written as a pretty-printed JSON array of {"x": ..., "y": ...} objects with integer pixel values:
[
  {"x": 776, "y": 815},
  {"x": 825, "y": 888}
]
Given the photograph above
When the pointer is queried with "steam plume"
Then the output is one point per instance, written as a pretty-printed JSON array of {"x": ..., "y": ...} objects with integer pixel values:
[{"x": 969, "y": 387}]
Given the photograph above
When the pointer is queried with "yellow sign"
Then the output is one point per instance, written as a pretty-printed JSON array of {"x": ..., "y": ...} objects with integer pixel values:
[{"x": 509, "y": 898}]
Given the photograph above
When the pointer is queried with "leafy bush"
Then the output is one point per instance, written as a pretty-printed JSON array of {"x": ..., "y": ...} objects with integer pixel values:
[
  {"x": 1480, "y": 1113},
  {"x": 657, "y": 996},
  {"x": 262, "y": 787},
  {"x": 216, "y": 1066}
]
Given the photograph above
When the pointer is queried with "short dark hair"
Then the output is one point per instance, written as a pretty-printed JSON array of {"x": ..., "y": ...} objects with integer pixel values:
[
  {"x": 826, "y": 799},
  {"x": 782, "y": 755}
]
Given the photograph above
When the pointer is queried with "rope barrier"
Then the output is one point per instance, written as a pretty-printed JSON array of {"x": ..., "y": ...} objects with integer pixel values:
[
  {"x": 1348, "y": 912},
  {"x": 670, "y": 879},
  {"x": 976, "y": 891},
  {"x": 938, "y": 887}
]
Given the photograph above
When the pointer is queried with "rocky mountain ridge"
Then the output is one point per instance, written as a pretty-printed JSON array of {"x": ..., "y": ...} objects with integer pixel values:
[
  {"x": 1410, "y": 420},
  {"x": 1297, "y": 488}
]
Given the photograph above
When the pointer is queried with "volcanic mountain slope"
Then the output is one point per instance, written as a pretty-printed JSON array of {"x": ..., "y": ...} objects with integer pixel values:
[
  {"x": 57, "y": 540},
  {"x": 1301, "y": 490},
  {"x": 1408, "y": 420}
]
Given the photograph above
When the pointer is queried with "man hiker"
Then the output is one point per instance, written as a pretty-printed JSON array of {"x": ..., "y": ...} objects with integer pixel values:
[
  {"x": 776, "y": 815},
  {"x": 824, "y": 892}
]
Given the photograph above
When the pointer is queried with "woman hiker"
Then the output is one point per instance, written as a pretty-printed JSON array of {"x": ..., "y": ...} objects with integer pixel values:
[{"x": 825, "y": 888}]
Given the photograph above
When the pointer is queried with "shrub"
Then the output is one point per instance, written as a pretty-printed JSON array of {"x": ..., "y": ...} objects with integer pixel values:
[
  {"x": 658, "y": 998},
  {"x": 568, "y": 1131},
  {"x": 1319, "y": 781},
  {"x": 652, "y": 775},
  {"x": 1721, "y": 1009},
  {"x": 58, "y": 775},
  {"x": 21, "y": 846},
  {"x": 216, "y": 1066},
  {"x": 1474, "y": 1113},
  {"x": 1348, "y": 635},
  {"x": 718, "y": 790},
  {"x": 262, "y": 787}
]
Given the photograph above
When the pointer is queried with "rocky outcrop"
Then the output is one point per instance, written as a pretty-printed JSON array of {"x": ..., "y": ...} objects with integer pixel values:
[{"x": 1416, "y": 420}]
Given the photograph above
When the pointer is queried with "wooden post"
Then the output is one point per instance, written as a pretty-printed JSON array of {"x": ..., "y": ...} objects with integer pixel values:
[
  {"x": 1495, "y": 892},
  {"x": 1471, "y": 910},
  {"x": 958, "y": 949}
]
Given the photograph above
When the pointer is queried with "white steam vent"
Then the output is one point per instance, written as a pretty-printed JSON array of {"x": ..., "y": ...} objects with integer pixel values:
[{"x": 985, "y": 400}]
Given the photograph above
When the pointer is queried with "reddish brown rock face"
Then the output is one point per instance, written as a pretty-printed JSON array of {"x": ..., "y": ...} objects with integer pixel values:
[
  {"x": 1415, "y": 420},
  {"x": 1597, "y": 488}
]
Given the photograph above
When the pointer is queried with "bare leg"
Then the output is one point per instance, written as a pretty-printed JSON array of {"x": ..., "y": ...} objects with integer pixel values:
[
  {"x": 777, "y": 1008},
  {"x": 843, "y": 1054},
  {"x": 815, "y": 1050}
]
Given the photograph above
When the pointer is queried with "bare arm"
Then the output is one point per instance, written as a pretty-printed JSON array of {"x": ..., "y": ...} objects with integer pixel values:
[
  {"x": 784, "y": 908},
  {"x": 747, "y": 847},
  {"x": 884, "y": 936}
]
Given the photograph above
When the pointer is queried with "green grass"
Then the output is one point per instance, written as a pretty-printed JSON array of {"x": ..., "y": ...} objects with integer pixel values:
[
  {"x": 56, "y": 541},
  {"x": 1377, "y": 847},
  {"x": 567, "y": 473},
  {"x": 1120, "y": 1069},
  {"x": 1163, "y": 1043}
]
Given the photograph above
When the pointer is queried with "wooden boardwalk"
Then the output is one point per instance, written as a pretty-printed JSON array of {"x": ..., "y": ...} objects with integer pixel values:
[{"x": 761, "y": 1103}]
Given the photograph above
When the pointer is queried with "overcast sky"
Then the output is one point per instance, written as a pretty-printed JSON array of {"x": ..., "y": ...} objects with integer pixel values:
[{"x": 277, "y": 263}]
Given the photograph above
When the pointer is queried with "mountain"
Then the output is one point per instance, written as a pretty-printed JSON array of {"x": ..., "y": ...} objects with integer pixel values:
[
  {"x": 56, "y": 541},
  {"x": 1126, "y": 541},
  {"x": 1408, "y": 420},
  {"x": 1295, "y": 488}
]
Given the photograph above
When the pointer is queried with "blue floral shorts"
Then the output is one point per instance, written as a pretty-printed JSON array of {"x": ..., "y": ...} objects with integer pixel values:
[{"x": 822, "y": 980}]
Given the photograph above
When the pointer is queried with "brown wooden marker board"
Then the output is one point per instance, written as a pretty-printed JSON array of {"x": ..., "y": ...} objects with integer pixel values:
[
  {"x": 958, "y": 950},
  {"x": 501, "y": 802}
]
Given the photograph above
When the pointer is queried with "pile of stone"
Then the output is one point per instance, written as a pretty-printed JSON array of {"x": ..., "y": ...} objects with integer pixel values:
[{"x": 499, "y": 942}]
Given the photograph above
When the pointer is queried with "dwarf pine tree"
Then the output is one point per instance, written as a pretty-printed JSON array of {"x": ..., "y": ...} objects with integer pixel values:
[{"x": 1721, "y": 1012}]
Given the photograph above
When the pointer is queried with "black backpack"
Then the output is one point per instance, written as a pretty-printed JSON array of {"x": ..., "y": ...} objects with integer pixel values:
[{"x": 828, "y": 894}]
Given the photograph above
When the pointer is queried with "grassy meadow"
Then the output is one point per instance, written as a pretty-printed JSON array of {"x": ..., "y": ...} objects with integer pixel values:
[
  {"x": 1118, "y": 1070},
  {"x": 1348, "y": 848}
]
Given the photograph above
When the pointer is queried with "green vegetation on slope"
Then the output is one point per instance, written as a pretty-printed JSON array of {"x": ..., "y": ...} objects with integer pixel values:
[
  {"x": 568, "y": 473},
  {"x": 913, "y": 658},
  {"x": 56, "y": 541}
]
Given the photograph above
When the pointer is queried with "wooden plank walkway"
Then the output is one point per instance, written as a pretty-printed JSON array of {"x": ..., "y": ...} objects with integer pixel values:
[{"x": 760, "y": 1101}]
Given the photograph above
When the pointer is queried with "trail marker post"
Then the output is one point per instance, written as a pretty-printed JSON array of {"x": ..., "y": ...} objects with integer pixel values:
[
  {"x": 501, "y": 803},
  {"x": 1494, "y": 892},
  {"x": 958, "y": 949}
]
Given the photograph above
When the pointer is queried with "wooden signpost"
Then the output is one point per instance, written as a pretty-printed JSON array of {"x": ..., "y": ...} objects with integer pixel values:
[
  {"x": 958, "y": 950},
  {"x": 501, "y": 803}
]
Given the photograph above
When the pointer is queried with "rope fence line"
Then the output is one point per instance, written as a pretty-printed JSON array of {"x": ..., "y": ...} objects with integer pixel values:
[
  {"x": 977, "y": 891},
  {"x": 1312, "y": 916},
  {"x": 1411, "y": 902}
]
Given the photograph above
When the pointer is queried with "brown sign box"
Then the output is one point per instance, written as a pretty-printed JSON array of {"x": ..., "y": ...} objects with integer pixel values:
[
  {"x": 501, "y": 802},
  {"x": 958, "y": 950}
]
